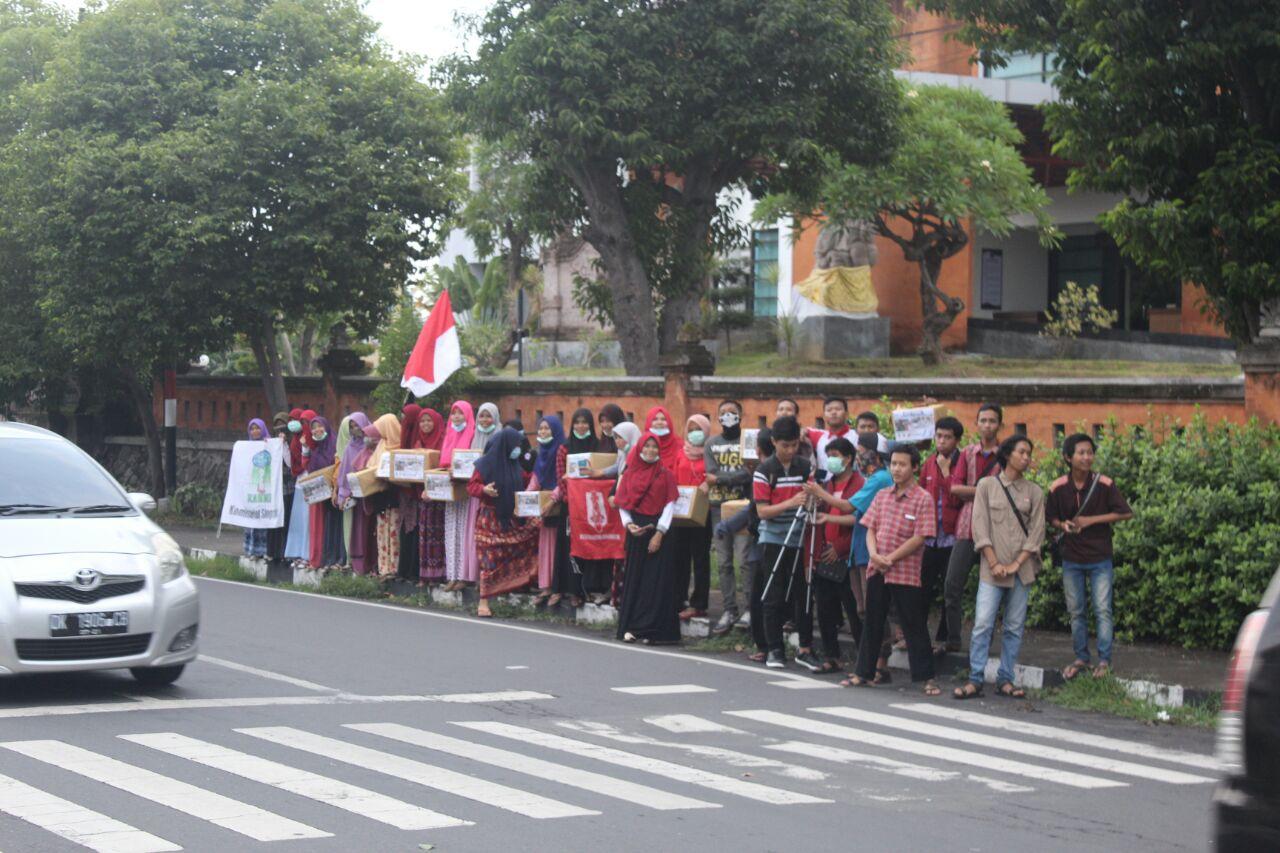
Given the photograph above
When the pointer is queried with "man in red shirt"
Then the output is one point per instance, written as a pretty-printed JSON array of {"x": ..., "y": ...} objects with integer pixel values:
[
  {"x": 898, "y": 522},
  {"x": 833, "y": 593},
  {"x": 835, "y": 418},
  {"x": 935, "y": 478}
]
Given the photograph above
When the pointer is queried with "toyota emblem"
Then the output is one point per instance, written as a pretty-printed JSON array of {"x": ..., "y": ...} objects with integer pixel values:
[{"x": 87, "y": 579}]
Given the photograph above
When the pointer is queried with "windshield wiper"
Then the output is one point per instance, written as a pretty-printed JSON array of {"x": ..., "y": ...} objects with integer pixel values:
[
  {"x": 94, "y": 508},
  {"x": 31, "y": 509}
]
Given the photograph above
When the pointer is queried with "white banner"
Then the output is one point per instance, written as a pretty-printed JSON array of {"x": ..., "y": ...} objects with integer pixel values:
[
  {"x": 255, "y": 485},
  {"x": 913, "y": 424}
]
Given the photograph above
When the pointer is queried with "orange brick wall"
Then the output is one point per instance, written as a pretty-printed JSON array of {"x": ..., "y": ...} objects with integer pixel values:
[
  {"x": 1194, "y": 321},
  {"x": 927, "y": 37}
]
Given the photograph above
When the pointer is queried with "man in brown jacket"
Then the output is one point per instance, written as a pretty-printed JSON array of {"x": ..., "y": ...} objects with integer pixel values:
[{"x": 1008, "y": 530}]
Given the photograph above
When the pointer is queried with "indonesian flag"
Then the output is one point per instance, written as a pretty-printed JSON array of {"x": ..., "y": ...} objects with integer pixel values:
[
  {"x": 595, "y": 528},
  {"x": 437, "y": 353}
]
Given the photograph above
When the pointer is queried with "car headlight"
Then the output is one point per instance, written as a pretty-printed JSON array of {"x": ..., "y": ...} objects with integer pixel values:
[{"x": 172, "y": 565}]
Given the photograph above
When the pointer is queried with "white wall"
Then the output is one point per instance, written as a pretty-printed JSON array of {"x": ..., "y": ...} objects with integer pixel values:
[{"x": 1026, "y": 272}]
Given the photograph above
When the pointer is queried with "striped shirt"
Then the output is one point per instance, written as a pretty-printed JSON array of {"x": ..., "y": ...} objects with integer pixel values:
[{"x": 775, "y": 484}]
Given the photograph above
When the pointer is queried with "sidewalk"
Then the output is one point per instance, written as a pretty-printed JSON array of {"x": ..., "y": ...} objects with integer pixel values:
[{"x": 1166, "y": 674}]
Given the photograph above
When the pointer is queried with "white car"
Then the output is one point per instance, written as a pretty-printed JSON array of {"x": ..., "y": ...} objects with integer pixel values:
[{"x": 87, "y": 581}]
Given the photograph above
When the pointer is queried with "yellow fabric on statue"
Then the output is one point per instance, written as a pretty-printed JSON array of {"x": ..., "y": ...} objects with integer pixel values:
[{"x": 845, "y": 289}]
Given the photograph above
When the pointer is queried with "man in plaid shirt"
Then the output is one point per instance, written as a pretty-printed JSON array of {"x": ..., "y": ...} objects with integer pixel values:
[{"x": 898, "y": 522}]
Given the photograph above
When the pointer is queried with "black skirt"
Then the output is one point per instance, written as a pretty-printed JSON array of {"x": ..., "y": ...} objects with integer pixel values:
[{"x": 648, "y": 589}]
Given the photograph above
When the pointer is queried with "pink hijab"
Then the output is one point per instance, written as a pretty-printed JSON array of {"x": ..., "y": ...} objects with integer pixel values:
[{"x": 454, "y": 439}]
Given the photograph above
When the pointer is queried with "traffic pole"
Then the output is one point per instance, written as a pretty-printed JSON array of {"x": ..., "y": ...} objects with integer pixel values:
[{"x": 170, "y": 431}]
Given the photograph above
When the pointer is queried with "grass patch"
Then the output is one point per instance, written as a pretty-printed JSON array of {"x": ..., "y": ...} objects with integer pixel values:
[
  {"x": 733, "y": 642},
  {"x": 177, "y": 519},
  {"x": 351, "y": 586},
  {"x": 221, "y": 568},
  {"x": 1108, "y": 696}
]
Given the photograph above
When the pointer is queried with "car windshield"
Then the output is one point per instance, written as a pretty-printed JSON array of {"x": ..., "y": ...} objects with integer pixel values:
[{"x": 41, "y": 475}]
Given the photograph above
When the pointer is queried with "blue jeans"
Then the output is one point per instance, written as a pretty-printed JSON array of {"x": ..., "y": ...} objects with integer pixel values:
[
  {"x": 990, "y": 599},
  {"x": 1099, "y": 577}
]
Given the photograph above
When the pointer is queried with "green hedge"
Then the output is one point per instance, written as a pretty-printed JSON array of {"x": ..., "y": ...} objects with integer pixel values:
[{"x": 1205, "y": 538}]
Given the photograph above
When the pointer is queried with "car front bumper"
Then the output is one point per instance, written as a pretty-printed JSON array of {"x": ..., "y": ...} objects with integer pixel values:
[{"x": 1244, "y": 821}]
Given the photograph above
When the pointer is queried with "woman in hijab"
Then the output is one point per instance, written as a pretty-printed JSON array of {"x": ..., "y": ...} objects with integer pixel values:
[
  {"x": 504, "y": 543},
  {"x": 255, "y": 539},
  {"x": 298, "y": 544},
  {"x": 487, "y": 425},
  {"x": 571, "y": 576},
  {"x": 693, "y": 544},
  {"x": 658, "y": 424},
  {"x": 409, "y": 497},
  {"x": 352, "y": 458},
  {"x": 431, "y": 431},
  {"x": 384, "y": 506},
  {"x": 278, "y": 536},
  {"x": 527, "y": 454},
  {"x": 459, "y": 435},
  {"x": 611, "y": 415},
  {"x": 646, "y": 500},
  {"x": 550, "y": 438},
  {"x": 326, "y": 524},
  {"x": 597, "y": 575},
  {"x": 625, "y": 435}
]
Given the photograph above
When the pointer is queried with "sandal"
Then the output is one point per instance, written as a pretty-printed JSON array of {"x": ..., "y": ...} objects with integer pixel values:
[
  {"x": 882, "y": 677},
  {"x": 628, "y": 637},
  {"x": 484, "y": 612},
  {"x": 1075, "y": 668},
  {"x": 827, "y": 668},
  {"x": 931, "y": 688},
  {"x": 969, "y": 691},
  {"x": 857, "y": 681},
  {"x": 758, "y": 657},
  {"x": 554, "y": 600},
  {"x": 1008, "y": 690},
  {"x": 1102, "y": 670}
]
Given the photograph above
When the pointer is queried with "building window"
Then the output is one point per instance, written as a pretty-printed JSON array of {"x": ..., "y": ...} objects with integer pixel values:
[
  {"x": 764, "y": 272},
  {"x": 1039, "y": 67}
]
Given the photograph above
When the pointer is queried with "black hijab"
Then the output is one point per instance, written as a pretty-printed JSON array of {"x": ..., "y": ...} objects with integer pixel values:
[
  {"x": 497, "y": 467},
  {"x": 590, "y": 444},
  {"x": 527, "y": 454}
]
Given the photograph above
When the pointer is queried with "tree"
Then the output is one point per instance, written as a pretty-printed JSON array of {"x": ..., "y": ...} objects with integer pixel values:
[
  {"x": 647, "y": 112},
  {"x": 957, "y": 168},
  {"x": 731, "y": 289},
  {"x": 1176, "y": 105}
]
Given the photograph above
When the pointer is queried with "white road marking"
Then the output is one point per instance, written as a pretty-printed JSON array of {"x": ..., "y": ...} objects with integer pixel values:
[
  {"x": 683, "y": 724},
  {"x": 803, "y": 684},
  {"x": 889, "y": 765},
  {"x": 729, "y": 756},
  {"x": 351, "y": 798},
  {"x": 517, "y": 667},
  {"x": 663, "y": 689},
  {"x": 1008, "y": 744},
  {"x": 75, "y": 823},
  {"x": 428, "y": 775},
  {"x": 678, "y": 772},
  {"x": 225, "y": 812},
  {"x": 596, "y": 783},
  {"x": 1176, "y": 756},
  {"x": 265, "y": 701},
  {"x": 928, "y": 750},
  {"x": 266, "y": 673}
]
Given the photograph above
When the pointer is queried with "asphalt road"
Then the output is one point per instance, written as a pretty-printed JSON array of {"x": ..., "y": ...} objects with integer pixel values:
[{"x": 316, "y": 723}]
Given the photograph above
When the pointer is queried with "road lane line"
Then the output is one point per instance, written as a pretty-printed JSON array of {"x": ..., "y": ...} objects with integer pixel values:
[
  {"x": 428, "y": 775},
  {"x": 689, "y": 724},
  {"x": 332, "y": 792},
  {"x": 803, "y": 684},
  {"x": 928, "y": 750},
  {"x": 1142, "y": 750},
  {"x": 225, "y": 812},
  {"x": 663, "y": 689},
  {"x": 76, "y": 823},
  {"x": 597, "y": 783},
  {"x": 889, "y": 765},
  {"x": 1006, "y": 744},
  {"x": 678, "y": 772},
  {"x": 266, "y": 673}
]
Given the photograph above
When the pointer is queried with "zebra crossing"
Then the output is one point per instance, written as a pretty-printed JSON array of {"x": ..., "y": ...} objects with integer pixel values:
[{"x": 554, "y": 769}]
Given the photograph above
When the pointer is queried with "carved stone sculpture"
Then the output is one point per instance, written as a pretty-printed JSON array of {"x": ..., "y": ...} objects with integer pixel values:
[{"x": 846, "y": 244}]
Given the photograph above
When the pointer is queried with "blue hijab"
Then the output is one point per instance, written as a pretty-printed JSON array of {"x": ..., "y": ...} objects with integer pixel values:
[
  {"x": 497, "y": 467},
  {"x": 545, "y": 467}
]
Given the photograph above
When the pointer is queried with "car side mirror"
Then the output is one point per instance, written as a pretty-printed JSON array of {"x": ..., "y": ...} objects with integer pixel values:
[{"x": 142, "y": 501}]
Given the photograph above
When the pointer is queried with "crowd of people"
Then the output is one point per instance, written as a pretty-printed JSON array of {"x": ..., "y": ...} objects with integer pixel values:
[{"x": 840, "y": 527}]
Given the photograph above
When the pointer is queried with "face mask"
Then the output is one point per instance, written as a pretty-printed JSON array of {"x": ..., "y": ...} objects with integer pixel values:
[
  {"x": 581, "y": 435},
  {"x": 835, "y": 465},
  {"x": 295, "y": 426},
  {"x": 486, "y": 430},
  {"x": 649, "y": 457},
  {"x": 660, "y": 433},
  {"x": 368, "y": 441},
  {"x": 697, "y": 437},
  {"x": 729, "y": 420},
  {"x": 546, "y": 439},
  {"x": 515, "y": 453},
  {"x": 458, "y": 427},
  {"x": 320, "y": 436}
]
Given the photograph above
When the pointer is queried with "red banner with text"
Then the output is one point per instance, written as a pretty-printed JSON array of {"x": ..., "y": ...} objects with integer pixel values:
[{"x": 595, "y": 527}]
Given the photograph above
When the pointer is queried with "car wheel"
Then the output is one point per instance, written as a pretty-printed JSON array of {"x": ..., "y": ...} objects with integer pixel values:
[{"x": 157, "y": 676}]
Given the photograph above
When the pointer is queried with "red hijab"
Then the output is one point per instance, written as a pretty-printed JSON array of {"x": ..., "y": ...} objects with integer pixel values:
[
  {"x": 434, "y": 439},
  {"x": 297, "y": 465},
  {"x": 409, "y": 426},
  {"x": 670, "y": 448},
  {"x": 646, "y": 487}
]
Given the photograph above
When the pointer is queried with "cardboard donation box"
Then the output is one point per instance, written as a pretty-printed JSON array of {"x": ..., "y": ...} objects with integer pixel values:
[
  {"x": 384, "y": 466},
  {"x": 440, "y": 486},
  {"x": 317, "y": 487},
  {"x": 536, "y": 505},
  {"x": 463, "y": 463},
  {"x": 365, "y": 483},
  {"x": 731, "y": 509},
  {"x": 411, "y": 466},
  {"x": 691, "y": 507},
  {"x": 576, "y": 464},
  {"x": 750, "y": 444}
]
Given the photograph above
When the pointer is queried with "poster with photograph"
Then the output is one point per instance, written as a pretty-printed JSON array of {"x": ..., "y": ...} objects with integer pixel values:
[{"x": 914, "y": 424}]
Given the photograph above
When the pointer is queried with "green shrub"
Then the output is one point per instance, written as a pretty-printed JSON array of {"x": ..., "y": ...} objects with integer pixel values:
[
  {"x": 196, "y": 500},
  {"x": 1205, "y": 537}
]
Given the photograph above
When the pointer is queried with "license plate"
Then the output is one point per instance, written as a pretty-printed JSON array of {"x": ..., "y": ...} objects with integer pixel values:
[{"x": 88, "y": 624}]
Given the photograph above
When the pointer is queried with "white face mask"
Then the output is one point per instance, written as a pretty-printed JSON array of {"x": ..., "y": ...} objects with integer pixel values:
[
  {"x": 650, "y": 456},
  {"x": 660, "y": 432},
  {"x": 729, "y": 420}
]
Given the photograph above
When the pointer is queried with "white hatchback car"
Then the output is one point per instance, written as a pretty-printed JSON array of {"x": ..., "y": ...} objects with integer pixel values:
[{"x": 87, "y": 581}]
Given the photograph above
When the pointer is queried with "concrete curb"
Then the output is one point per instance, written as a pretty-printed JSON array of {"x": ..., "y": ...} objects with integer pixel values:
[{"x": 1030, "y": 677}]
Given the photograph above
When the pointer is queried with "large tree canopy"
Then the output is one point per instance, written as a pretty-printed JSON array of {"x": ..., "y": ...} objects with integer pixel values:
[
  {"x": 1177, "y": 104},
  {"x": 648, "y": 111}
]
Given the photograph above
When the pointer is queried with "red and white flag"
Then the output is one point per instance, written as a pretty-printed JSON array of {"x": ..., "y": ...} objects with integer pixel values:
[{"x": 437, "y": 353}]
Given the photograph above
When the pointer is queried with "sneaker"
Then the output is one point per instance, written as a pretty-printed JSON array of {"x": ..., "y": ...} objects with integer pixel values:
[
  {"x": 744, "y": 621},
  {"x": 809, "y": 661},
  {"x": 725, "y": 623},
  {"x": 776, "y": 660}
]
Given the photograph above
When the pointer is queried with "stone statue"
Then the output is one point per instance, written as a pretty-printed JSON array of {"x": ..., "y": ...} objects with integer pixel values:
[
  {"x": 846, "y": 244},
  {"x": 1269, "y": 321},
  {"x": 836, "y": 305}
]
